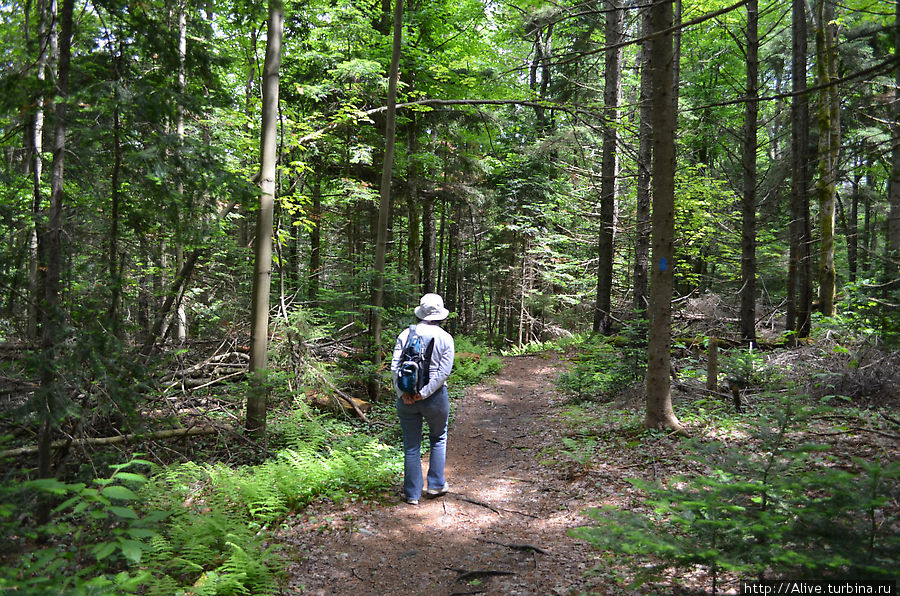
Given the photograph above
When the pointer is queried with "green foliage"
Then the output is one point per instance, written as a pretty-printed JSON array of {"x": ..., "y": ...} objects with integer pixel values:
[
  {"x": 747, "y": 368},
  {"x": 468, "y": 371},
  {"x": 96, "y": 543},
  {"x": 865, "y": 313},
  {"x": 770, "y": 509},
  {"x": 605, "y": 366},
  {"x": 556, "y": 345},
  {"x": 213, "y": 542}
]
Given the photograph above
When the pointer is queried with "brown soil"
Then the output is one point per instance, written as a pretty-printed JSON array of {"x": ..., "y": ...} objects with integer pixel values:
[{"x": 500, "y": 530}]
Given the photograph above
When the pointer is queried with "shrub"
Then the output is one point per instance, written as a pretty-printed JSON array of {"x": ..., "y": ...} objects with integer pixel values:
[{"x": 776, "y": 509}]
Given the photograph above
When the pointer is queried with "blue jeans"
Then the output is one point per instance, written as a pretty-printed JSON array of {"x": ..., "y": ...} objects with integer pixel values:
[{"x": 435, "y": 410}]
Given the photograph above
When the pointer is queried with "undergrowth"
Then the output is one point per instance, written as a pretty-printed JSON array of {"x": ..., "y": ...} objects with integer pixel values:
[
  {"x": 202, "y": 528},
  {"x": 603, "y": 367},
  {"x": 772, "y": 506},
  {"x": 188, "y": 528},
  {"x": 765, "y": 503}
]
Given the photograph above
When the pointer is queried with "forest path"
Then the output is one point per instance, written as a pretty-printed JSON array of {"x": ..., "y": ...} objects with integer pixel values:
[{"x": 501, "y": 499}]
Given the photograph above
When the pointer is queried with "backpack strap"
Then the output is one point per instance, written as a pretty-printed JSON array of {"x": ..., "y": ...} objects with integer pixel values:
[
  {"x": 426, "y": 374},
  {"x": 410, "y": 336}
]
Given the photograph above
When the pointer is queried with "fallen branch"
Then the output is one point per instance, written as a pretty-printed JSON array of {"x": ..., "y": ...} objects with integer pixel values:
[
  {"x": 850, "y": 429},
  {"x": 157, "y": 435},
  {"x": 517, "y": 546},
  {"x": 342, "y": 394},
  {"x": 479, "y": 503},
  {"x": 465, "y": 575},
  {"x": 216, "y": 360},
  {"x": 194, "y": 384}
]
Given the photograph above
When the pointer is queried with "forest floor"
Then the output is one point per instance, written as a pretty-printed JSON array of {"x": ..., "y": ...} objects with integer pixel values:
[
  {"x": 525, "y": 463},
  {"x": 502, "y": 527}
]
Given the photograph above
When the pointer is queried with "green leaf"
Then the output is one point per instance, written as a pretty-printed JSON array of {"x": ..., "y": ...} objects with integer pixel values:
[
  {"x": 119, "y": 492},
  {"x": 103, "y": 550},
  {"x": 49, "y": 485},
  {"x": 123, "y": 512},
  {"x": 132, "y": 549},
  {"x": 139, "y": 478}
]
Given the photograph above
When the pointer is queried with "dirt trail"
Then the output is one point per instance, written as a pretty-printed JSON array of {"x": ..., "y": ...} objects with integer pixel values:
[{"x": 507, "y": 514}]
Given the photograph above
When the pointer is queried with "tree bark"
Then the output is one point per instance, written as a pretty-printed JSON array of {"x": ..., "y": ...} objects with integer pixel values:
[
  {"x": 799, "y": 302},
  {"x": 413, "y": 247},
  {"x": 315, "y": 241},
  {"x": 829, "y": 136},
  {"x": 852, "y": 230},
  {"x": 262, "y": 271},
  {"x": 385, "y": 203},
  {"x": 429, "y": 261},
  {"x": 609, "y": 166},
  {"x": 892, "y": 263},
  {"x": 48, "y": 44},
  {"x": 748, "y": 203},
  {"x": 50, "y": 251},
  {"x": 181, "y": 310},
  {"x": 659, "y": 413},
  {"x": 642, "y": 218}
]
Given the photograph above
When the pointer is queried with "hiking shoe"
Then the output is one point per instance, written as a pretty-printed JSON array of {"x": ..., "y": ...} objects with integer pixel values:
[
  {"x": 410, "y": 501},
  {"x": 437, "y": 492}
]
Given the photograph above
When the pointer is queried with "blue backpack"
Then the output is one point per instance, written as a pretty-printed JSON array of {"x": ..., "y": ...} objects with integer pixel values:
[{"x": 414, "y": 368}]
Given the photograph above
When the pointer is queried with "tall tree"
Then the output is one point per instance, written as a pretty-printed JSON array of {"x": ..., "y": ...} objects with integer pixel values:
[
  {"x": 799, "y": 289},
  {"x": 386, "y": 176},
  {"x": 51, "y": 251},
  {"x": 262, "y": 269},
  {"x": 609, "y": 167},
  {"x": 659, "y": 413},
  {"x": 893, "y": 247},
  {"x": 180, "y": 309},
  {"x": 645, "y": 144},
  {"x": 47, "y": 40},
  {"x": 828, "y": 119},
  {"x": 748, "y": 203}
]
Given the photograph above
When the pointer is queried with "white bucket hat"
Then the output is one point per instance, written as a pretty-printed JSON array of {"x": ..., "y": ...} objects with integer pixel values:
[{"x": 431, "y": 308}]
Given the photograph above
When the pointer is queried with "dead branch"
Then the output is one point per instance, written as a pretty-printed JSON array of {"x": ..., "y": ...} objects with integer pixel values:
[
  {"x": 888, "y": 418},
  {"x": 205, "y": 382},
  {"x": 517, "y": 546},
  {"x": 479, "y": 503},
  {"x": 465, "y": 575},
  {"x": 154, "y": 436},
  {"x": 217, "y": 360},
  {"x": 342, "y": 394},
  {"x": 858, "y": 429}
]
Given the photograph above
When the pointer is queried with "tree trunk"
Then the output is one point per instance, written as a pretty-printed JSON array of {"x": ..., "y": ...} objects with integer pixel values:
[
  {"x": 892, "y": 264},
  {"x": 748, "y": 204},
  {"x": 799, "y": 267},
  {"x": 50, "y": 250},
  {"x": 609, "y": 167},
  {"x": 315, "y": 240},
  {"x": 113, "y": 256},
  {"x": 48, "y": 43},
  {"x": 385, "y": 203},
  {"x": 829, "y": 134},
  {"x": 642, "y": 220},
  {"x": 659, "y": 412},
  {"x": 428, "y": 244},
  {"x": 852, "y": 230},
  {"x": 413, "y": 247},
  {"x": 262, "y": 271},
  {"x": 181, "y": 310}
]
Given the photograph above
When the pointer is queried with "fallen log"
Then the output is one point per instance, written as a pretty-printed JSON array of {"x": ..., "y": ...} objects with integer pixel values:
[
  {"x": 153, "y": 436},
  {"x": 344, "y": 402}
]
